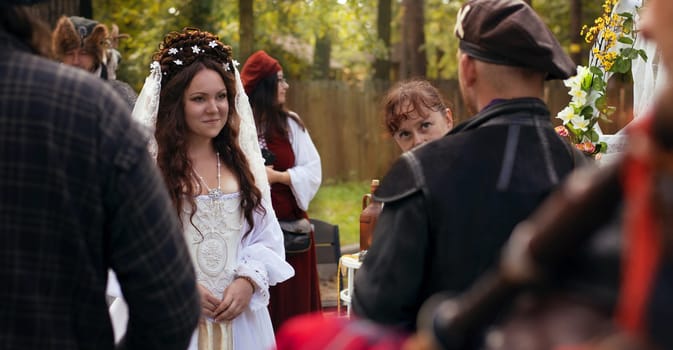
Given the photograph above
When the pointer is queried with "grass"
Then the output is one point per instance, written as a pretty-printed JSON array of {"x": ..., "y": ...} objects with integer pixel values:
[{"x": 341, "y": 204}]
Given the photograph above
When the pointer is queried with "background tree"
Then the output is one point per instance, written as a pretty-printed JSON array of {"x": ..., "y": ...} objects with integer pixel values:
[
  {"x": 413, "y": 61},
  {"x": 336, "y": 39},
  {"x": 246, "y": 30},
  {"x": 575, "y": 48},
  {"x": 383, "y": 18},
  {"x": 199, "y": 14}
]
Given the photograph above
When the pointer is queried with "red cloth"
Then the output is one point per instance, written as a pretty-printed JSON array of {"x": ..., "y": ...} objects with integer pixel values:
[
  {"x": 315, "y": 332},
  {"x": 301, "y": 293},
  {"x": 258, "y": 66},
  {"x": 641, "y": 258}
]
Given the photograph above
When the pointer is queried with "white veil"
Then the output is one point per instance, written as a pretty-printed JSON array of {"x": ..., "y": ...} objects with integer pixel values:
[
  {"x": 247, "y": 139},
  {"x": 147, "y": 107}
]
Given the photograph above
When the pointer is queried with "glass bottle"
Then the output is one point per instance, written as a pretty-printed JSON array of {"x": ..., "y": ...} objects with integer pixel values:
[{"x": 370, "y": 212}]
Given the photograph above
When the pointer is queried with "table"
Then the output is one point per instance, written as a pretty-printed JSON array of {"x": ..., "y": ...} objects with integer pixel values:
[{"x": 351, "y": 263}]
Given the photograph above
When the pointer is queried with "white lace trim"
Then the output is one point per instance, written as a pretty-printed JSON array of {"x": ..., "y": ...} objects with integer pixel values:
[{"x": 249, "y": 267}]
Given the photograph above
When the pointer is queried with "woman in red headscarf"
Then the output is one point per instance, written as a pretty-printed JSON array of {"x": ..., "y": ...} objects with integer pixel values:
[{"x": 294, "y": 172}]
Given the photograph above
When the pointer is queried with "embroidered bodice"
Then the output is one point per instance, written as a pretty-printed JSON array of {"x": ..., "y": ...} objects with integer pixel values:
[{"x": 214, "y": 249}]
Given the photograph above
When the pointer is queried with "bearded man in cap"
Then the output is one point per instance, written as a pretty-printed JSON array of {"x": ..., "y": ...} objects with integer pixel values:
[
  {"x": 83, "y": 43},
  {"x": 80, "y": 195},
  {"x": 451, "y": 203}
]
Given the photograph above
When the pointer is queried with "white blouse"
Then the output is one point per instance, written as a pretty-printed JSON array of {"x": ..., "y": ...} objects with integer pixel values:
[{"x": 306, "y": 175}]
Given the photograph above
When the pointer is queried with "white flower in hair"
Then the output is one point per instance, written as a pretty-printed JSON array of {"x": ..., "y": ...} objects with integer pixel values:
[
  {"x": 226, "y": 65},
  {"x": 212, "y": 44},
  {"x": 236, "y": 63},
  {"x": 195, "y": 49},
  {"x": 172, "y": 51},
  {"x": 178, "y": 62}
]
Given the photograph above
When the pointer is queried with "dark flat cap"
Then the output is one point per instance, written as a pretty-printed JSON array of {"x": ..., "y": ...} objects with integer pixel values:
[{"x": 509, "y": 32}]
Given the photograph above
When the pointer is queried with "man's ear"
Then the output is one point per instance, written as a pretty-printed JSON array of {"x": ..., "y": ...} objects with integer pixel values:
[
  {"x": 468, "y": 69},
  {"x": 449, "y": 118}
]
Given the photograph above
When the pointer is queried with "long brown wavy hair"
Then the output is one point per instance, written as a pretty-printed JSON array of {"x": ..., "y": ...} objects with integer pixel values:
[
  {"x": 270, "y": 115},
  {"x": 171, "y": 128}
]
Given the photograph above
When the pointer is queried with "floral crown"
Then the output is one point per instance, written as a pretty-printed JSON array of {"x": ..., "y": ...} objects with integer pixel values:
[{"x": 180, "y": 49}]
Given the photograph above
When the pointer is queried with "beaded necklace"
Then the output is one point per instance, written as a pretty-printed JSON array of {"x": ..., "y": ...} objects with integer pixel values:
[{"x": 212, "y": 192}]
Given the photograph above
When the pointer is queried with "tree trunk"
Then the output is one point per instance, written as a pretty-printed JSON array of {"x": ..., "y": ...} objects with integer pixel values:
[
  {"x": 246, "y": 29},
  {"x": 382, "y": 64},
  {"x": 575, "y": 27},
  {"x": 414, "y": 61},
  {"x": 50, "y": 11},
  {"x": 321, "y": 57},
  {"x": 199, "y": 14}
]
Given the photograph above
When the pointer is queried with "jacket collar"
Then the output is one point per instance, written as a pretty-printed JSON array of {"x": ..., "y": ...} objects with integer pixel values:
[{"x": 508, "y": 110}]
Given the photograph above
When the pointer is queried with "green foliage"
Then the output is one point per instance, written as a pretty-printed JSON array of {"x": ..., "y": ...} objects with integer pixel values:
[
  {"x": 288, "y": 29},
  {"x": 556, "y": 14},
  {"x": 341, "y": 204}
]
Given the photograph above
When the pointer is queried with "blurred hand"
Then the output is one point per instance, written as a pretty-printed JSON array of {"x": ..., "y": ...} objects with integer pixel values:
[
  {"x": 208, "y": 301},
  {"x": 274, "y": 176}
]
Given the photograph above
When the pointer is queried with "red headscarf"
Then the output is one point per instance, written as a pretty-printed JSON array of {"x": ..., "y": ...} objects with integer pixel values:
[{"x": 258, "y": 66}]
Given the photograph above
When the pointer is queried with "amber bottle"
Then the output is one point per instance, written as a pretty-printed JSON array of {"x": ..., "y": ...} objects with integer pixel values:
[{"x": 370, "y": 212}]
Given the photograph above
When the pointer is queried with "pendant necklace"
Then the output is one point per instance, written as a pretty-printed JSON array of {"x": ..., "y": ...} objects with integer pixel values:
[{"x": 214, "y": 192}]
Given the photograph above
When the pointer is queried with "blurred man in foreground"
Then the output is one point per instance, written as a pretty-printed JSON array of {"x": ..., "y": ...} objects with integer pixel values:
[{"x": 80, "y": 194}]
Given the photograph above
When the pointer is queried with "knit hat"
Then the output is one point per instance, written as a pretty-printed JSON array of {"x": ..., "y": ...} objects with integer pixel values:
[
  {"x": 77, "y": 32},
  {"x": 258, "y": 66}
]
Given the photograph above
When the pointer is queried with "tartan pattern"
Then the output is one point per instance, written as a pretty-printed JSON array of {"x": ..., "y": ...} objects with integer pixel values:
[{"x": 80, "y": 194}]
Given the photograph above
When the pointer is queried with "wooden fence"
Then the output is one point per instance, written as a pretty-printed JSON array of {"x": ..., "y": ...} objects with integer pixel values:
[{"x": 346, "y": 123}]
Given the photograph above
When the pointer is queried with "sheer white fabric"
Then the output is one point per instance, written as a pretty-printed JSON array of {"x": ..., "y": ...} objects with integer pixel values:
[
  {"x": 147, "y": 106},
  {"x": 306, "y": 175},
  {"x": 247, "y": 139}
]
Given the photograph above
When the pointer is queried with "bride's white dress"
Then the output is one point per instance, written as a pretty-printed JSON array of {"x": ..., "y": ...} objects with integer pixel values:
[{"x": 220, "y": 251}]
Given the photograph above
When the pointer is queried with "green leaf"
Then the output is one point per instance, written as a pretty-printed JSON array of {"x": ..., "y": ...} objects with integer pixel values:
[
  {"x": 586, "y": 82},
  {"x": 598, "y": 85},
  {"x": 587, "y": 111},
  {"x": 627, "y": 26},
  {"x": 625, "y": 40},
  {"x": 629, "y": 53},
  {"x": 596, "y": 71},
  {"x": 593, "y": 135},
  {"x": 601, "y": 103},
  {"x": 627, "y": 15},
  {"x": 643, "y": 54},
  {"x": 621, "y": 65}
]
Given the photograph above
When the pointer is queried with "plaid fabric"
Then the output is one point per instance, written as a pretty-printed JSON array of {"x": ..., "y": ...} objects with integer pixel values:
[{"x": 80, "y": 194}]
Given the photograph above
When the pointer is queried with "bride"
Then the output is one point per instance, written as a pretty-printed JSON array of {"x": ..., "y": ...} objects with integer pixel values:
[{"x": 214, "y": 178}]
